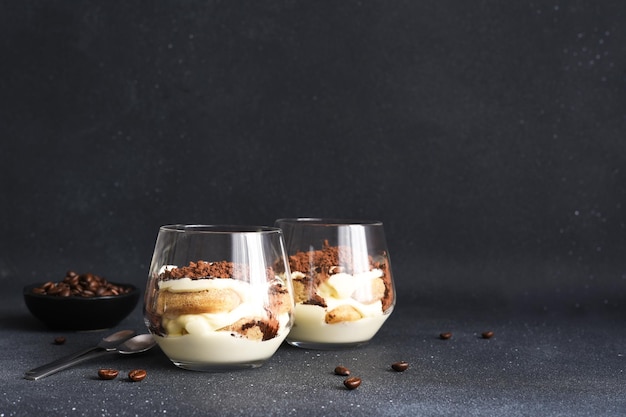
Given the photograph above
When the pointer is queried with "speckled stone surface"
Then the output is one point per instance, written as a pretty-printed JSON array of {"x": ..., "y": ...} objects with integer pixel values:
[{"x": 548, "y": 356}]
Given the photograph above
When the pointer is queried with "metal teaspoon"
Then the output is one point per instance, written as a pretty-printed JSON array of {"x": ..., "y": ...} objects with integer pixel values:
[
  {"x": 107, "y": 343},
  {"x": 137, "y": 344}
]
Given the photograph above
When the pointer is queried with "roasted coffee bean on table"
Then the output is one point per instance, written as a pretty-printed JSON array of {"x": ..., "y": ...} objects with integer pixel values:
[
  {"x": 81, "y": 285},
  {"x": 137, "y": 375},
  {"x": 487, "y": 335},
  {"x": 445, "y": 335},
  {"x": 342, "y": 370},
  {"x": 352, "y": 383},
  {"x": 108, "y": 373},
  {"x": 59, "y": 340},
  {"x": 400, "y": 366}
]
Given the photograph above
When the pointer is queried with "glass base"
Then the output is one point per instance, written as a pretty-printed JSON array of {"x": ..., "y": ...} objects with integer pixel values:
[
  {"x": 217, "y": 367},
  {"x": 325, "y": 346}
]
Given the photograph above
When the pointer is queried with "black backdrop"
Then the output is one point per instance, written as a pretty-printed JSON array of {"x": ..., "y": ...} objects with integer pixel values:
[{"x": 487, "y": 136}]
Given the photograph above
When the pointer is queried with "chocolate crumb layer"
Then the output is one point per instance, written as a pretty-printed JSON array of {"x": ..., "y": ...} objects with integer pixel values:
[
  {"x": 172, "y": 304},
  {"x": 322, "y": 261},
  {"x": 202, "y": 269},
  {"x": 219, "y": 269},
  {"x": 318, "y": 265},
  {"x": 269, "y": 328},
  {"x": 315, "y": 300},
  {"x": 255, "y": 328}
]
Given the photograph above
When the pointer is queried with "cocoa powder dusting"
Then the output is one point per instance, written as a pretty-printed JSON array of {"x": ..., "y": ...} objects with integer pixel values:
[
  {"x": 219, "y": 269},
  {"x": 315, "y": 300},
  {"x": 322, "y": 260}
]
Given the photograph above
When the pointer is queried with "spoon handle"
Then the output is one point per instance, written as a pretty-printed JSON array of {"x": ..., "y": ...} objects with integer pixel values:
[
  {"x": 62, "y": 360},
  {"x": 58, "y": 365},
  {"x": 108, "y": 343}
]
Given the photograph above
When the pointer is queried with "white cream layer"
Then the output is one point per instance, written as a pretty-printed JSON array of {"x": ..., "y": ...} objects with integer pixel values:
[
  {"x": 218, "y": 348},
  {"x": 252, "y": 305},
  {"x": 340, "y": 289},
  {"x": 310, "y": 326},
  {"x": 193, "y": 337}
]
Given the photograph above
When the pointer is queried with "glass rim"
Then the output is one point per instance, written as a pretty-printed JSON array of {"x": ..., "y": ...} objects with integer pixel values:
[
  {"x": 329, "y": 221},
  {"x": 218, "y": 228}
]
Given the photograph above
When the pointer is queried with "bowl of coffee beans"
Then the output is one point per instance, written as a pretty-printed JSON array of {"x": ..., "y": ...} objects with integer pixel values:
[{"x": 81, "y": 302}]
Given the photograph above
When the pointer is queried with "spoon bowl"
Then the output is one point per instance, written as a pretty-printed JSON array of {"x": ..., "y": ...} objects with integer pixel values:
[{"x": 138, "y": 344}]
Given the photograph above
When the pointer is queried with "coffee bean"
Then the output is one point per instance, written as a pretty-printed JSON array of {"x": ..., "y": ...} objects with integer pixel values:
[
  {"x": 137, "y": 375},
  {"x": 352, "y": 383},
  {"x": 487, "y": 335},
  {"x": 400, "y": 366},
  {"x": 72, "y": 280},
  {"x": 59, "y": 340},
  {"x": 108, "y": 373},
  {"x": 342, "y": 370},
  {"x": 84, "y": 285},
  {"x": 55, "y": 290},
  {"x": 445, "y": 335}
]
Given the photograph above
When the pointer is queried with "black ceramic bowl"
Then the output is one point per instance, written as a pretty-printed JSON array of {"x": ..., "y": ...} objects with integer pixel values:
[{"x": 80, "y": 313}]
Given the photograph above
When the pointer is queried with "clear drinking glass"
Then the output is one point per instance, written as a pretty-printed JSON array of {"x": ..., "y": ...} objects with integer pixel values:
[
  {"x": 342, "y": 281},
  {"x": 213, "y": 300}
]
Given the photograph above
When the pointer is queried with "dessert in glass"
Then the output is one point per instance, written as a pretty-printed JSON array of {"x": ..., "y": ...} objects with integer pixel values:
[
  {"x": 213, "y": 301},
  {"x": 342, "y": 282}
]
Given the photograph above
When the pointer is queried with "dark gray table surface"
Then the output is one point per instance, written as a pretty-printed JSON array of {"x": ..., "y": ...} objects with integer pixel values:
[{"x": 554, "y": 352}]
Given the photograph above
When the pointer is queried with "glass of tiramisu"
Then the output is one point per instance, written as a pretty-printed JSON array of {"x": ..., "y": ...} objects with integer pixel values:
[
  {"x": 214, "y": 300},
  {"x": 342, "y": 283}
]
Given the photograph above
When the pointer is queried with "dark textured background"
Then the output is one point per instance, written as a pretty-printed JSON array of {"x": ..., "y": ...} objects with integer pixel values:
[{"x": 489, "y": 138}]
